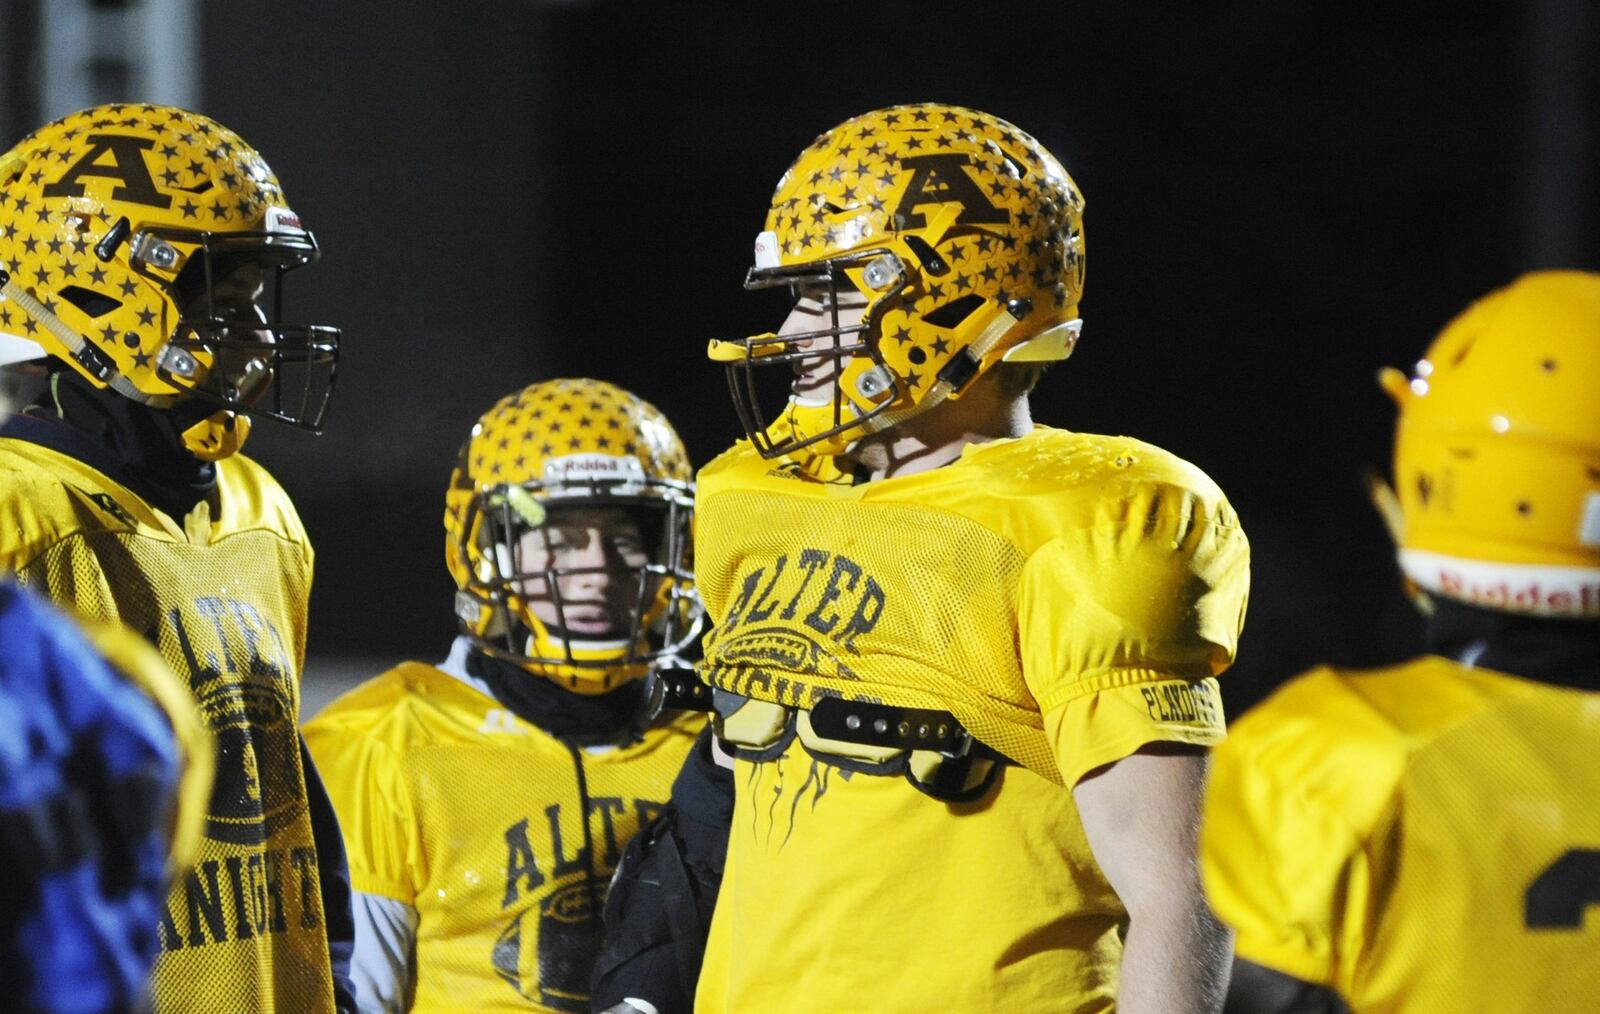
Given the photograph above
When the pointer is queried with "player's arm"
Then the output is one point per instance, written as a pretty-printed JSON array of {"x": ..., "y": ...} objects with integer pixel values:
[
  {"x": 376, "y": 827},
  {"x": 1124, "y": 620},
  {"x": 333, "y": 876},
  {"x": 1141, "y": 815},
  {"x": 383, "y": 965},
  {"x": 658, "y": 911}
]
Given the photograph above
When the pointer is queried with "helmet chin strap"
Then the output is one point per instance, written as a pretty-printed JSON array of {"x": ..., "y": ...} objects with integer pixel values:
[{"x": 85, "y": 355}]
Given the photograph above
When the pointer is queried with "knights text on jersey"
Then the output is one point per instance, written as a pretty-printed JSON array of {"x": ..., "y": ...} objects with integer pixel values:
[
  {"x": 1068, "y": 597},
  {"x": 456, "y": 807},
  {"x": 1421, "y": 838},
  {"x": 224, "y": 601}
]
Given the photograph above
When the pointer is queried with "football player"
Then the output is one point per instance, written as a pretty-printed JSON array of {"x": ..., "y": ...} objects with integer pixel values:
[
  {"x": 965, "y": 662},
  {"x": 142, "y": 249},
  {"x": 1426, "y": 836},
  {"x": 486, "y": 799},
  {"x": 103, "y": 786}
]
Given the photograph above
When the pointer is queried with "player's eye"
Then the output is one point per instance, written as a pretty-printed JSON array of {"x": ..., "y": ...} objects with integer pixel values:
[{"x": 558, "y": 540}]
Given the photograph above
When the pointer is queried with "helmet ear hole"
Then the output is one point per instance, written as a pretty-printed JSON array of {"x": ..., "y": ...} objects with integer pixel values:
[
  {"x": 950, "y": 315},
  {"x": 93, "y": 304}
]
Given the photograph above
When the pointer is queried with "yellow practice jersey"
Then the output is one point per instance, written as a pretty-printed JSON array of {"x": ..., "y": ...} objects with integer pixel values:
[
  {"x": 222, "y": 597},
  {"x": 1067, "y": 597},
  {"x": 453, "y": 806},
  {"x": 143, "y": 667},
  {"x": 1421, "y": 838}
]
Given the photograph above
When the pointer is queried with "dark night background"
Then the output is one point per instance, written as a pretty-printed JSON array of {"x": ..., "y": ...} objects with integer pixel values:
[{"x": 1282, "y": 197}]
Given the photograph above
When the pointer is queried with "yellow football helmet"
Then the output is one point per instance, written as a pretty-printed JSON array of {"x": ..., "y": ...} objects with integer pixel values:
[
  {"x": 1497, "y": 453},
  {"x": 143, "y": 245},
  {"x": 965, "y": 235},
  {"x": 557, "y": 459}
]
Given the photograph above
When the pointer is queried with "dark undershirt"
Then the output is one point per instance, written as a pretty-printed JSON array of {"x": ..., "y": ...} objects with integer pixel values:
[
  {"x": 617, "y": 717},
  {"x": 1561, "y": 652},
  {"x": 138, "y": 447}
]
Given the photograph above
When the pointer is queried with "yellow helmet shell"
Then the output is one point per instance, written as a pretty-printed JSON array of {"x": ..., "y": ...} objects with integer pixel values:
[
  {"x": 579, "y": 442},
  {"x": 1497, "y": 451},
  {"x": 100, "y": 213},
  {"x": 983, "y": 232}
]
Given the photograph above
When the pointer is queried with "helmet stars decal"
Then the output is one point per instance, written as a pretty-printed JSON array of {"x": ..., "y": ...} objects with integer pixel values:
[
  {"x": 119, "y": 226},
  {"x": 552, "y": 463},
  {"x": 964, "y": 234},
  {"x": 924, "y": 156},
  {"x": 573, "y": 417}
]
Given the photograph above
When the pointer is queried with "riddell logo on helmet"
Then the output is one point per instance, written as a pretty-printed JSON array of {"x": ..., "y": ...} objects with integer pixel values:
[
  {"x": 279, "y": 219},
  {"x": 577, "y": 467},
  {"x": 1583, "y": 600},
  {"x": 1515, "y": 588},
  {"x": 767, "y": 250}
]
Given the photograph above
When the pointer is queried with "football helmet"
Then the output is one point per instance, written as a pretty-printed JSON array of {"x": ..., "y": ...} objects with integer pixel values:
[
  {"x": 1497, "y": 452},
  {"x": 964, "y": 234},
  {"x": 145, "y": 247},
  {"x": 567, "y": 530}
]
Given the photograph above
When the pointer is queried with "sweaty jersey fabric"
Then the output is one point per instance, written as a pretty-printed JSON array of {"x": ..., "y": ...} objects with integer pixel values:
[
  {"x": 1419, "y": 838},
  {"x": 222, "y": 595},
  {"x": 454, "y": 806},
  {"x": 1068, "y": 597}
]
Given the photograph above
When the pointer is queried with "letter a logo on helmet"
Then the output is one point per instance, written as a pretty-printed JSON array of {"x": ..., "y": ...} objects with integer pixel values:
[
  {"x": 146, "y": 248},
  {"x": 964, "y": 234},
  {"x": 127, "y": 166},
  {"x": 942, "y": 179}
]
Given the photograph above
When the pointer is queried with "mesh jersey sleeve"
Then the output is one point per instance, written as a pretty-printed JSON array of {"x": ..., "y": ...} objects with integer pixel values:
[
  {"x": 374, "y": 807},
  {"x": 1284, "y": 869},
  {"x": 1124, "y": 622}
]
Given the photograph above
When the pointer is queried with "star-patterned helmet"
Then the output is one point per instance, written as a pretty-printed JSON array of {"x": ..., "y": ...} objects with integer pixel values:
[
  {"x": 145, "y": 247},
  {"x": 567, "y": 530},
  {"x": 1497, "y": 452},
  {"x": 964, "y": 234}
]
